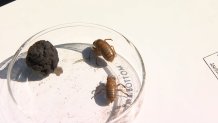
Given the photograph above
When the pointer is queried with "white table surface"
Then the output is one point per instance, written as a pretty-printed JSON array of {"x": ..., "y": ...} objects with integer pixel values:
[{"x": 173, "y": 37}]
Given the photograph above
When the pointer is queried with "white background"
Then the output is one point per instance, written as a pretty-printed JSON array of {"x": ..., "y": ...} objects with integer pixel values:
[{"x": 173, "y": 36}]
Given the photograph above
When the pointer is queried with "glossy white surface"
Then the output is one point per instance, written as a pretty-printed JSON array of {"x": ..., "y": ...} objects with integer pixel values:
[{"x": 172, "y": 36}]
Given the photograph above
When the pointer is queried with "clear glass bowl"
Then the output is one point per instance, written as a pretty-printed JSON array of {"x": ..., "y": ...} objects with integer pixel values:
[{"x": 69, "y": 98}]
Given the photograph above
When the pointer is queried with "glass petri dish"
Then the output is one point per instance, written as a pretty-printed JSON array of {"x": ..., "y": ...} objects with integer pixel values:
[{"x": 74, "y": 96}]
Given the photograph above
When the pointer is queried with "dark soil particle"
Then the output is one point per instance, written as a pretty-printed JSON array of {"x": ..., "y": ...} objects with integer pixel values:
[{"x": 42, "y": 57}]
